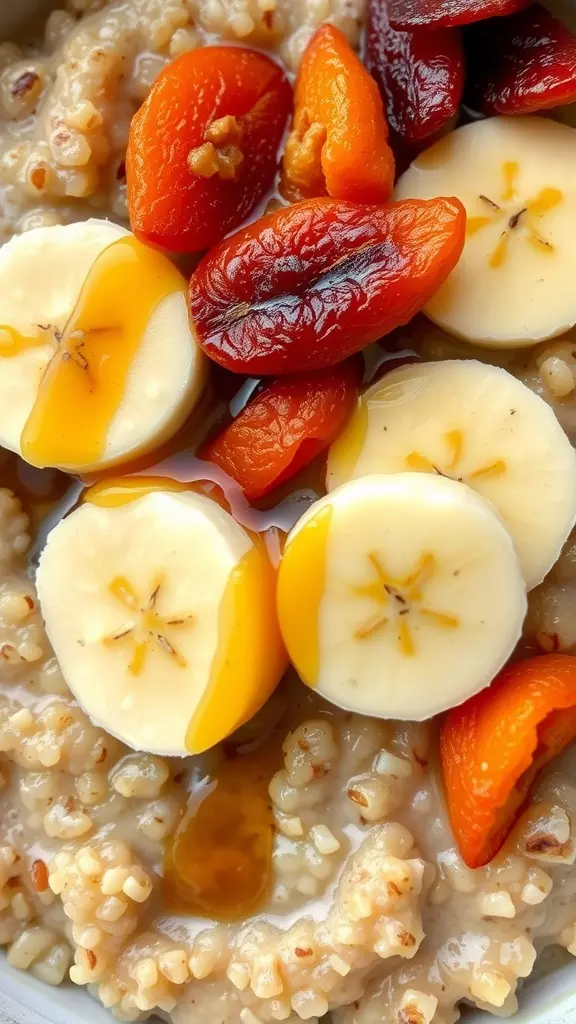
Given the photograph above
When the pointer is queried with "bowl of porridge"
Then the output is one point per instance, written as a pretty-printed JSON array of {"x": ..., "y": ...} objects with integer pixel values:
[{"x": 287, "y": 509}]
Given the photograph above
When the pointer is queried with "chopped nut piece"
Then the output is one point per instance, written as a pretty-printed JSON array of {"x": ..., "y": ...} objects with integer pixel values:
[
  {"x": 303, "y": 155},
  {"x": 203, "y": 161},
  {"x": 225, "y": 130},
  {"x": 221, "y": 153}
]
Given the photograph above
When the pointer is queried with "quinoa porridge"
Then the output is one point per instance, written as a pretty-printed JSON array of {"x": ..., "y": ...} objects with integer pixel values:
[{"x": 249, "y": 769}]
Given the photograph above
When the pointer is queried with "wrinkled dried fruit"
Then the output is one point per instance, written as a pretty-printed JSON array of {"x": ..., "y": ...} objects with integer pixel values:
[
  {"x": 445, "y": 13},
  {"x": 494, "y": 744},
  {"x": 285, "y": 426},
  {"x": 420, "y": 74},
  {"x": 313, "y": 283},
  {"x": 521, "y": 64},
  {"x": 203, "y": 148},
  {"x": 338, "y": 145}
]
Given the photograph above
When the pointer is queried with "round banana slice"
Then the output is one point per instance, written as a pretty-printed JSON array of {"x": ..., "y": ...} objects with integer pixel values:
[
  {"x": 97, "y": 360},
  {"x": 476, "y": 424},
  {"x": 400, "y": 596},
  {"x": 161, "y": 614},
  {"x": 514, "y": 283}
]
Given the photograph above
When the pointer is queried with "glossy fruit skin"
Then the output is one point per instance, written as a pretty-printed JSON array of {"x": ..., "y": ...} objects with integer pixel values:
[
  {"x": 447, "y": 13},
  {"x": 311, "y": 284},
  {"x": 420, "y": 74},
  {"x": 493, "y": 745},
  {"x": 285, "y": 426},
  {"x": 339, "y": 123},
  {"x": 521, "y": 64},
  {"x": 170, "y": 206}
]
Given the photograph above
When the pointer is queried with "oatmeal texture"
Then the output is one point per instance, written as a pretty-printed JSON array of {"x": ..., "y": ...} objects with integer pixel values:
[
  {"x": 66, "y": 101},
  {"x": 364, "y": 863}
]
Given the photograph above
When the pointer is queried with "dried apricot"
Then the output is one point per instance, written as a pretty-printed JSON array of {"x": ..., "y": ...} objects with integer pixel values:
[
  {"x": 494, "y": 744},
  {"x": 338, "y": 145},
  {"x": 203, "y": 148},
  {"x": 284, "y": 427},
  {"x": 313, "y": 283}
]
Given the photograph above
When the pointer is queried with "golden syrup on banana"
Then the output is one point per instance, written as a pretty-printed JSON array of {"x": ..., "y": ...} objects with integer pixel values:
[
  {"x": 118, "y": 491},
  {"x": 12, "y": 343},
  {"x": 85, "y": 382}
]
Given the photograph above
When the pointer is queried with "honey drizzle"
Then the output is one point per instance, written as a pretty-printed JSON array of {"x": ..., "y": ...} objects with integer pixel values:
[
  {"x": 219, "y": 864},
  {"x": 85, "y": 382},
  {"x": 17, "y": 343}
]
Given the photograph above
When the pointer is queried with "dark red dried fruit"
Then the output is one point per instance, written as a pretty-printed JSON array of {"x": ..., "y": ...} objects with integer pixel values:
[
  {"x": 420, "y": 74},
  {"x": 315, "y": 282},
  {"x": 446, "y": 13},
  {"x": 522, "y": 64}
]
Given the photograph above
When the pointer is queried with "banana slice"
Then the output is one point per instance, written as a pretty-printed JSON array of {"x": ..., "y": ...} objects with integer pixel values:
[
  {"x": 400, "y": 596},
  {"x": 477, "y": 424},
  {"x": 97, "y": 360},
  {"x": 514, "y": 284},
  {"x": 161, "y": 614}
]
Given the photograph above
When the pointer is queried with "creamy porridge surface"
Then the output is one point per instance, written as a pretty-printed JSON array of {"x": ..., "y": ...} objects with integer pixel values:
[
  {"x": 372, "y": 908},
  {"x": 372, "y": 913}
]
